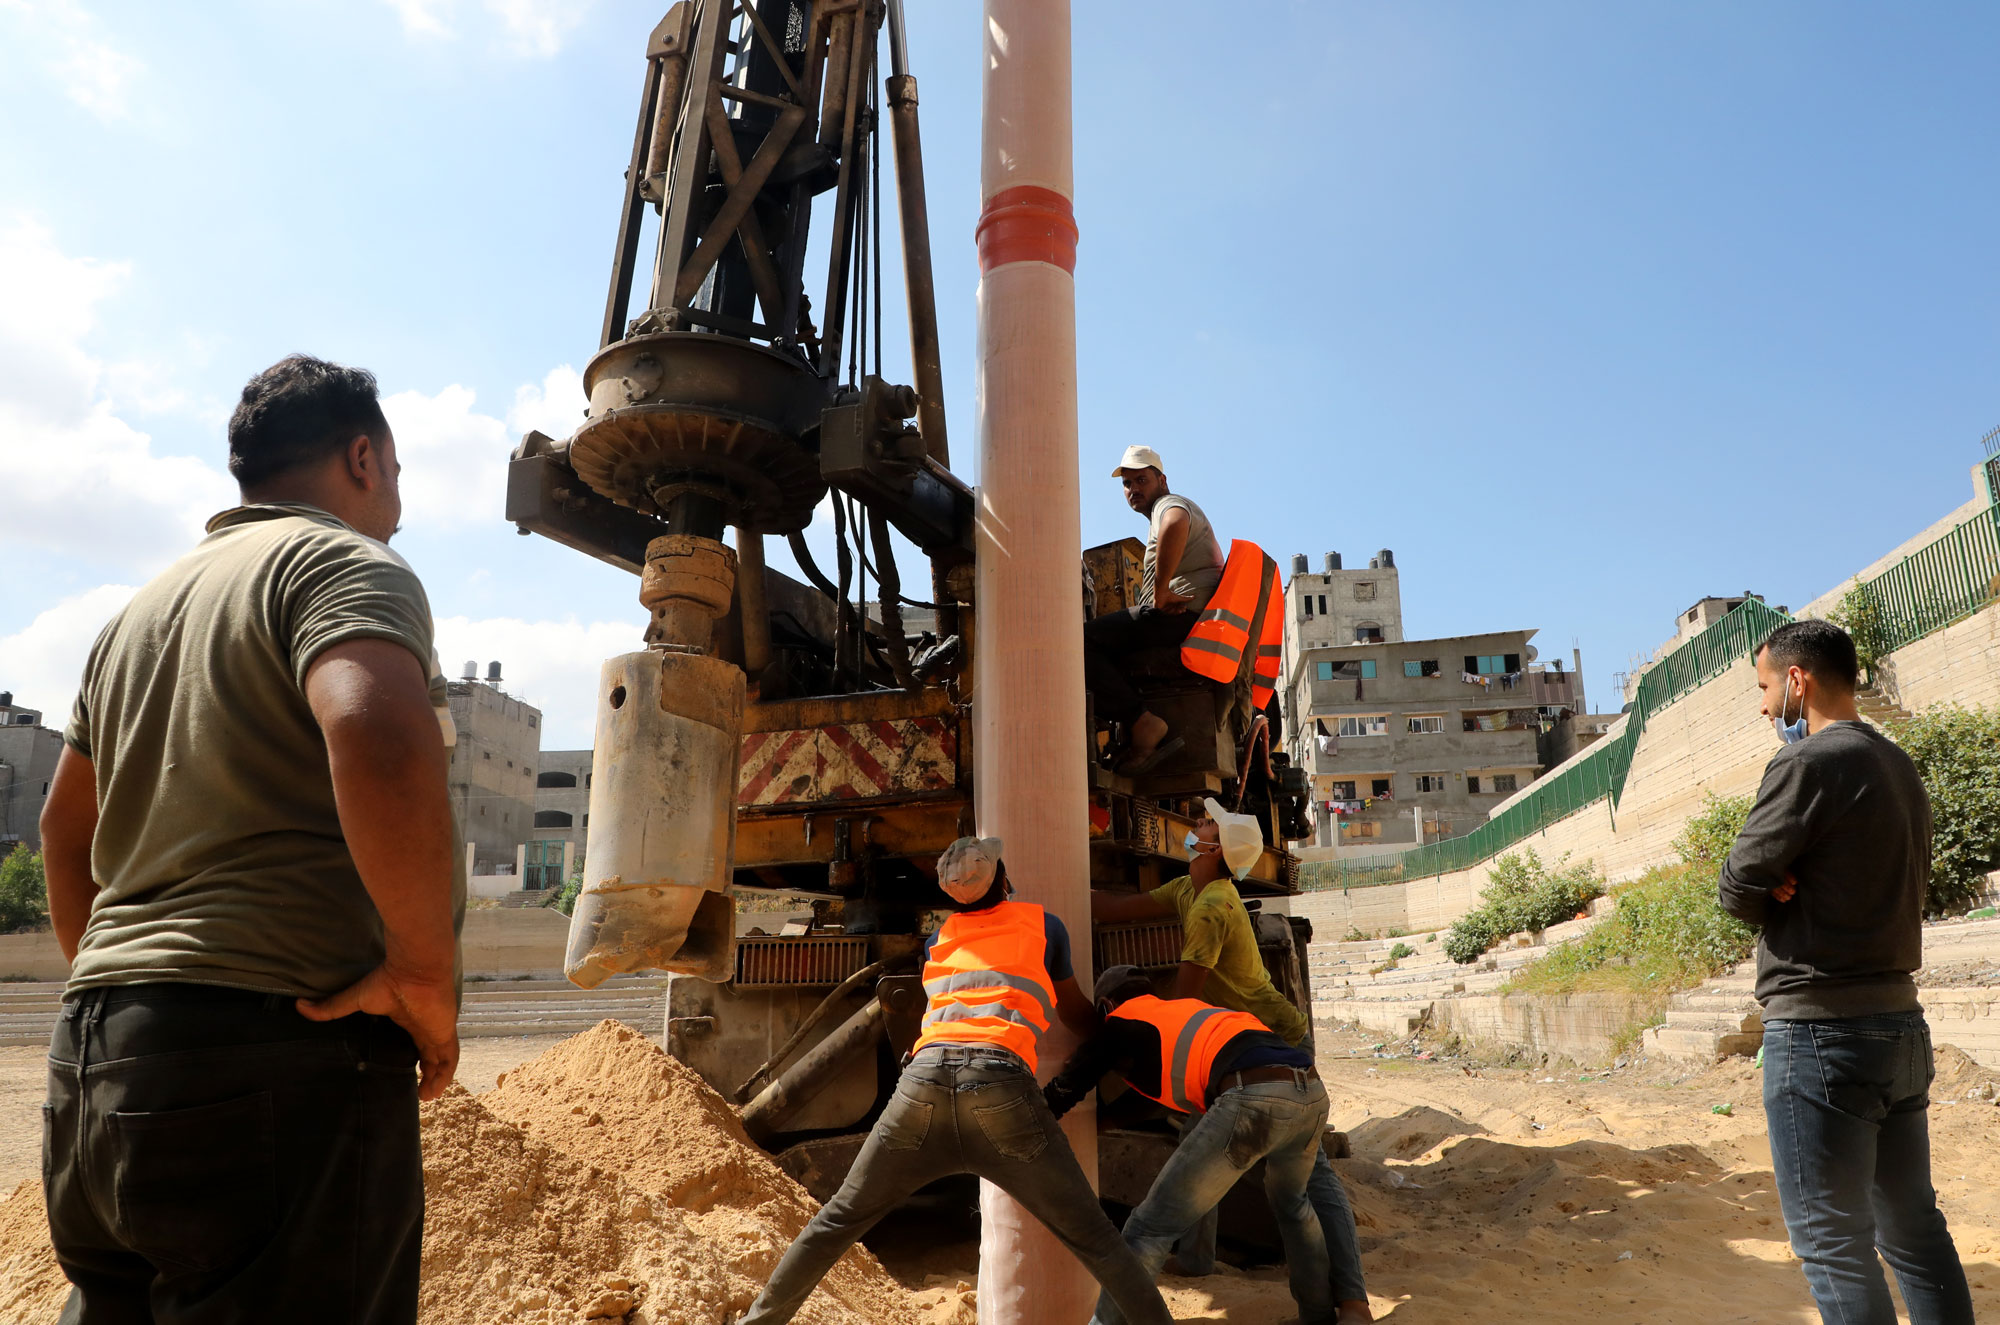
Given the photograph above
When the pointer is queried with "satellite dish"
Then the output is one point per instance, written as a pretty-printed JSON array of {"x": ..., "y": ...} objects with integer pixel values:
[{"x": 1533, "y": 653}]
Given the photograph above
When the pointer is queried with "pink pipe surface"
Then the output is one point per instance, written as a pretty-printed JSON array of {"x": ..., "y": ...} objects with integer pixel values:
[{"x": 1029, "y": 708}]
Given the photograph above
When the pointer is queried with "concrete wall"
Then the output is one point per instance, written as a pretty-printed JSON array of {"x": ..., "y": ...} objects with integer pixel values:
[
  {"x": 496, "y": 943},
  {"x": 1957, "y": 665}
]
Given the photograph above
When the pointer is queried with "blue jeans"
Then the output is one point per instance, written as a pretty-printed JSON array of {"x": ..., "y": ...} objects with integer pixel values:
[
  {"x": 1278, "y": 1122},
  {"x": 960, "y": 1109},
  {"x": 1196, "y": 1249},
  {"x": 1846, "y": 1103}
]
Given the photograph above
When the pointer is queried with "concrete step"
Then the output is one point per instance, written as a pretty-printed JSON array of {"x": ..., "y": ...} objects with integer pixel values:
[{"x": 1698, "y": 1046}]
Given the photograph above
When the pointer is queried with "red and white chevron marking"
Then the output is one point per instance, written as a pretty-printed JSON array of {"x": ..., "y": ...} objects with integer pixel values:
[{"x": 848, "y": 761}]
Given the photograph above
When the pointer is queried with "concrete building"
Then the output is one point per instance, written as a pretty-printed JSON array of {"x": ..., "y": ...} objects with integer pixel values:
[
  {"x": 1705, "y": 613},
  {"x": 28, "y": 755},
  {"x": 1338, "y": 606},
  {"x": 493, "y": 770},
  {"x": 1410, "y": 741},
  {"x": 562, "y": 817}
]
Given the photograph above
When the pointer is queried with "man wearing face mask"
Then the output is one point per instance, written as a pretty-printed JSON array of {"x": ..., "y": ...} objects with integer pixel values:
[
  {"x": 1833, "y": 863},
  {"x": 1220, "y": 964}
]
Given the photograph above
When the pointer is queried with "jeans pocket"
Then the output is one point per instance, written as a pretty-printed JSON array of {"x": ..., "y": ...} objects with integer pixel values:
[
  {"x": 1014, "y": 1127},
  {"x": 1251, "y": 1134},
  {"x": 906, "y": 1123},
  {"x": 196, "y": 1188}
]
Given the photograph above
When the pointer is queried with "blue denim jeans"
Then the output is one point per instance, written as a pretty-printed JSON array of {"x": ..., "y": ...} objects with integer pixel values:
[
  {"x": 1846, "y": 1102},
  {"x": 964, "y": 1110},
  {"x": 1279, "y": 1122},
  {"x": 1196, "y": 1249}
]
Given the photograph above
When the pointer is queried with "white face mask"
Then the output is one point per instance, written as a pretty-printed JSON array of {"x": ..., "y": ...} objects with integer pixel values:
[{"x": 1791, "y": 733}]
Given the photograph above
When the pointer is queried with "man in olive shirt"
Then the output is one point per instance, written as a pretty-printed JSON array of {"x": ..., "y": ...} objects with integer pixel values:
[
  {"x": 1220, "y": 964},
  {"x": 250, "y": 865}
]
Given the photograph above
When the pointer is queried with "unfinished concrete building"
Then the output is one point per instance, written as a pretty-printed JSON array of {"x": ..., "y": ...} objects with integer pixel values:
[
  {"x": 562, "y": 818},
  {"x": 28, "y": 755},
  {"x": 493, "y": 769},
  {"x": 1413, "y": 741}
]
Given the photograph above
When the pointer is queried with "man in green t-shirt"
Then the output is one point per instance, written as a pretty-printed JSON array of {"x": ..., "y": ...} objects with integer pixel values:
[
  {"x": 249, "y": 848},
  {"x": 1220, "y": 964}
]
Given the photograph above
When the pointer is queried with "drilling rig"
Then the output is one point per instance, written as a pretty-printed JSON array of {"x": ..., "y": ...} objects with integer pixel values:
[{"x": 811, "y": 739}]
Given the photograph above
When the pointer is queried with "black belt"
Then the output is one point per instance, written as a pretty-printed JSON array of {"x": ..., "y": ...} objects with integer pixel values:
[{"x": 1258, "y": 1075}]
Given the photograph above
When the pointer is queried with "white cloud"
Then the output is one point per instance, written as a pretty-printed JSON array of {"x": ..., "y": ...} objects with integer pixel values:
[
  {"x": 43, "y": 662},
  {"x": 553, "y": 665},
  {"x": 522, "y": 27},
  {"x": 98, "y": 490},
  {"x": 93, "y": 73},
  {"x": 555, "y": 406}
]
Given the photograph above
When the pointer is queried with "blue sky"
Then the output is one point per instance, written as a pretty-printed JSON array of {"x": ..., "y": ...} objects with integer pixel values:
[{"x": 1585, "y": 310}]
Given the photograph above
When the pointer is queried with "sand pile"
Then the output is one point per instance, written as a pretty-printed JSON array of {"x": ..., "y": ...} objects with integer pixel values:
[{"x": 602, "y": 1182}]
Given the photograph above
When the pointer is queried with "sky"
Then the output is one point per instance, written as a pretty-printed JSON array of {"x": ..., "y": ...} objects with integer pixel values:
[{"x": 1586, "y": 311}]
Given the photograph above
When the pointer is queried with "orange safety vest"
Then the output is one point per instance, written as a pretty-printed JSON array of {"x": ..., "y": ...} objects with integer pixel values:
[
  {"x": 988, "y": 981},
  {"x": 1246, "y": 600},
  {"x": 1192, "y": 1033}
]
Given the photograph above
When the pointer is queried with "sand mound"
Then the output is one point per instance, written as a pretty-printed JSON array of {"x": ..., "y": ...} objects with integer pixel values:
[
  {"x": 1957, "y": 1073},
  {"x": 1410, "y": 1133},
  {"x": 613, "y": 1099},
  {"x": 605, "y": 1183}
]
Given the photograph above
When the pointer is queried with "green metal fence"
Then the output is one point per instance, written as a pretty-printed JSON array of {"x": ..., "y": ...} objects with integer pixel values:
[
  {"x": 1934, "y": 586},
  {"x": 1942, "y": 582},
  {"x": 1598, "y": 775}
]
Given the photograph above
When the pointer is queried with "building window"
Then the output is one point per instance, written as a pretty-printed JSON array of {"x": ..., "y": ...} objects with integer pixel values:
[
  {"x": 1492, "y": 664},
  {"x": 1505, "y": 783},
  {"x": 487, "y": 753},
  {"x": 1413, "y": 668},
  {"x": 1427, "y": 725},
  {"x": 556, "y": 780},
  {"x": 1472, "y": 784},
  {"x": 1365, "y": 724},
  {"x": 1431, "y": 781},
  {"x": 1368, "y": 669},
  {"x": 1342, "y": 791},
  {"x": 1367, "y": 632},
  {"x": 1305, "y": 607},
  {"x": 1322, "y": 604},
  {"x": 586, "y": 821},
  {"x": 1360, "y": 829},
  {"x": 586, "y": 780},
  {"x": 531, "y": 722},
  {"x": 1379, "y": 787},
  {"x": 553, "y": 819},
  {"x": 1364, "y": 591},
  {"x": 510, "y": 763}
]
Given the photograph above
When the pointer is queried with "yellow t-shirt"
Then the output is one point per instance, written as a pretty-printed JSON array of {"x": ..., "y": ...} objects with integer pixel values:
[{"x": 1216, "y": 932}]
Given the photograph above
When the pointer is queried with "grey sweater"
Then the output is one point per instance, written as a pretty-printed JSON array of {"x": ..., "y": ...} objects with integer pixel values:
[{"x": 1845, "y": 814}]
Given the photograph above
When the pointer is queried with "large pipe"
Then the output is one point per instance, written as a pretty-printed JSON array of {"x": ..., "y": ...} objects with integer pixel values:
[
  {"x": 1028, "y": 708},
  {"x": 797, "y": 1084}
]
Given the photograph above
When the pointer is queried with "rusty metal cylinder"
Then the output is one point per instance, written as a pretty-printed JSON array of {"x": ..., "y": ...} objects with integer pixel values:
[{"x": 663, "y": 820}]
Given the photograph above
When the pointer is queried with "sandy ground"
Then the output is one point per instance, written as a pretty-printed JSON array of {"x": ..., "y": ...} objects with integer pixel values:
[{"x": 1481, "y": 1192}]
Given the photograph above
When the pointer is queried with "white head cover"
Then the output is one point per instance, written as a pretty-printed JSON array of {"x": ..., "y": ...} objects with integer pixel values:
[
  {"x": 1139, "y": 457},
  {"x": 1242, "y": 837},
  {"x": 966, "y": 869}
]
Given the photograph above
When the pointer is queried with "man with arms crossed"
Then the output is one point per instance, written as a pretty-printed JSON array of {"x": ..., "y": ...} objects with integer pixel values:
[
  {"x": 249, "y": 848},
  {"x": 1833, "y": 863}
]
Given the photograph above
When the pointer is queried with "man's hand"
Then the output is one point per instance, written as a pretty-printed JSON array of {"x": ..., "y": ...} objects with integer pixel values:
[
  {"x": 1166, "y": 600},
  {"x": 427, "y": 1009},
  {"x": 1785, "y": 891}
]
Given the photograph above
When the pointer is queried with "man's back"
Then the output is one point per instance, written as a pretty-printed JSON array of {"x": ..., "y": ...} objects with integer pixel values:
[
  {"x": 1843, "y": 812},
  {"x": 219, "y": 854},
  {"x": 1217, "y": 932}
]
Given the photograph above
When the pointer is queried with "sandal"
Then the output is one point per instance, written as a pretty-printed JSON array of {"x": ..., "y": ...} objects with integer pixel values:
[{"x": 1137, "y": 765}]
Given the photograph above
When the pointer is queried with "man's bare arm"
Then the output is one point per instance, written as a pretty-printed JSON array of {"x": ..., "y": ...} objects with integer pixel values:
[
  {"x": 1109, "y": 908},
  {"x": 1167, "y": 560},
  {"x": 1077, "y": 1011},
  {"x": 371, "y": 698},
  {"x": 69, "y": 825},
  {"x": 1189, "y": 980}
]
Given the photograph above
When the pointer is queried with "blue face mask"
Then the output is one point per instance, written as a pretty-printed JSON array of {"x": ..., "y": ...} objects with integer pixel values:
[
  {"x": 1791, "y": 733},
  {"x": 1192, "y": 843}
]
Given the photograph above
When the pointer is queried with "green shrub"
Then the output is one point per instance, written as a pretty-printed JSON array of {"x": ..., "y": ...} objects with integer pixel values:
[
  {"x": 1860, "y": 614},
  {"x": 1400, "y": 951},
  {"x": 24, "y": 890},
  {"x": 1668, "y": 932},
  {"x": 1522, "y": 894},
  {"x": 1957, "y": 751}
]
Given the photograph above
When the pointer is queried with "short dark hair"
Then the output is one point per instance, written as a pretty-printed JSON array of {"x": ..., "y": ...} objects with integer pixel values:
[
  {"x": 297, "y": 410},
  {"x": 1821, "y": 649}
]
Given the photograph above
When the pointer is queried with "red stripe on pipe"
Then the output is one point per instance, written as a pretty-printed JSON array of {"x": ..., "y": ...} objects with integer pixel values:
[{"x": 1027, "y": 223}]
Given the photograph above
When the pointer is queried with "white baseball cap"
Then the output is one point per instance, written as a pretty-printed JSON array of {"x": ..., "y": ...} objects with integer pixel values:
[
  {"x": 1139, "y": 457},
  {"x": 1241, "y": 835}
]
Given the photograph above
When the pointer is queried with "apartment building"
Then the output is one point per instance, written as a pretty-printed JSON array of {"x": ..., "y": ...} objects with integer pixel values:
[
  {"x": 493, "y": 769},
  {"x": 28, "y": 755},
  {"x": 562, "y": 817},
  {"x": 1414, "y": 741}
]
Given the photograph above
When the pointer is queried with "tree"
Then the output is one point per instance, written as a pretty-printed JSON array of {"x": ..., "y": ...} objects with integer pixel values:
[
  {"x": 24, "y": 890},
  {"x": 1957, "y": 752}
]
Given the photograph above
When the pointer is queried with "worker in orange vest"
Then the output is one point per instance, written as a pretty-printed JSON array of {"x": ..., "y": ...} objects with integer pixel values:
[
  {"x": 996, "y": 973},
  {"x": 1256, "y": 1097},
  {"x": 1182, "y": 569}
]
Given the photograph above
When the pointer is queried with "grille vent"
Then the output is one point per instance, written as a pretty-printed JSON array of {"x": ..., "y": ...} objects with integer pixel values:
[
  {"x": 1150, "y": 946},
  {"x": 793, "y": 963}
]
